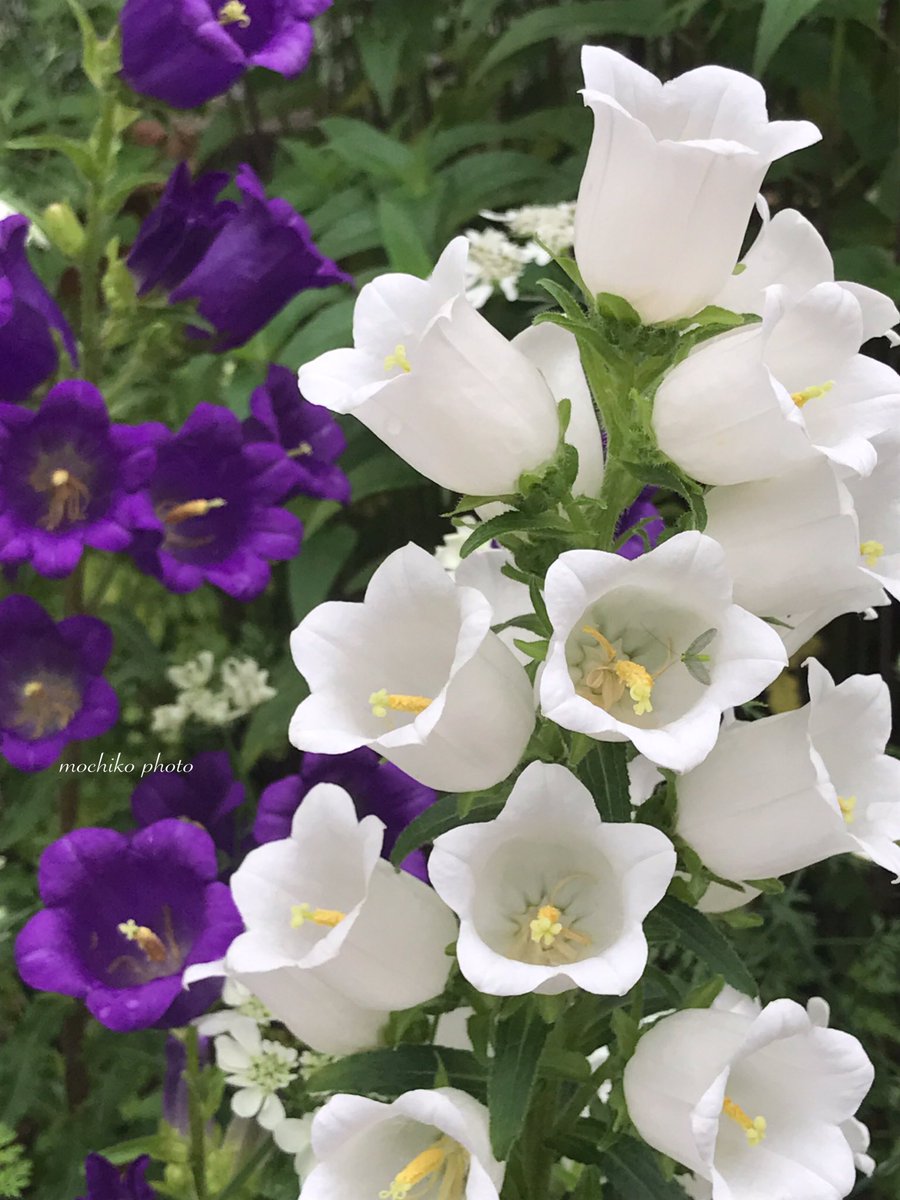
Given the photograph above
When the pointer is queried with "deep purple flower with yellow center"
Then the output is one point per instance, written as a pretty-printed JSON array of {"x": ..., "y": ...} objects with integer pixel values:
[
  {"x": 124, "y": 916},
  {"x": 70, "y": 479},
  {"x": 105, "y": 1181},
  {"x": 52, "y": 691},
  {"x": 239, "y": 262},
  {"x": 184, "y": 52},
  {"x": 643, "y": 510},
  {"x": 377, "y": 789},
  {"x": 207, "y": 794},
  {"x": 217, "y": 501},
  {"x": 309, "y": 434},
  {"x": 28, "y": 318}
]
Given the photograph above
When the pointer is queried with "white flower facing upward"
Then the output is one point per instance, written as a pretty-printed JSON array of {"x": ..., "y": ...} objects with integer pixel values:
[
  {"x": 335, "y": 939},
  {"x": 415, "y": 672},
  {"x": 755, "y": 1101},
  {"x": 494, "y": 263},
  {"x": 427, "y": 1145},
  {"x": 670, "y": 181},
  {"x": 653, "y": 650},
  {"x": 549, "y": 896},
  {"x": 758, "y": 401},
  {"x": 258, "y": 1068},
  {"x": 787, "y": 791},
  {"x": 436, "y": 382}
]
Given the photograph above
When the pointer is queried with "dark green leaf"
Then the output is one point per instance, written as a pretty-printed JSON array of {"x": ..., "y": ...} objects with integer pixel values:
[
  {"x": 779, "y": 17},
  {"x": 311, "y": 574},
  {"x": 605, "y": 773},
  {"x": 518, "y": 1042},
  {"x": 443, "y": 815},
  {"x": 632, "y": 1173},
  {"x": 403, "y": 242},
  {"x": 365, "y": 148},
  {"x": 389, "y": 1073},
  {"x": 673, "y": 921}
]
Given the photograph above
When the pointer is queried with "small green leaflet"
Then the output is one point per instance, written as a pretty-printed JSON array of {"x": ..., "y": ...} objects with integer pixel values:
[{"x": 695, "y": 660}]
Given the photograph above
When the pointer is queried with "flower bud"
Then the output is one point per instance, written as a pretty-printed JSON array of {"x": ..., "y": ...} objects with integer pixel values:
[{"x": 64, "y": 229}]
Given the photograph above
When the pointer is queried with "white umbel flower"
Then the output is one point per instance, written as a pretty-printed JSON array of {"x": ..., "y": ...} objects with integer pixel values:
[
  {"x": 246, "y": 685},
  {"x": 258, "y": 1069},
  {"x": 787, "y": 791},
  {"x": 549, "y": 896},
  {"x": 552, "y": 224},
  {"x": 670, "y": 181},
  {"x": 335, "y": 938},
  {"x": 755, "y": 1102},
  {"x": 653, "y": 650},
  {"x": 415, "y": 672},
  {"x": 436, "y": 382},
  {"x": 494, "y": 264},
  {"x": 427, "y": 1145}
]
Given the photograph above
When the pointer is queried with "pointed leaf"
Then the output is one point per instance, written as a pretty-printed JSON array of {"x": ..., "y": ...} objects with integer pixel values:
[
  {"x": 673, "y": 921},
  {"x": 518, "y": 1042}
]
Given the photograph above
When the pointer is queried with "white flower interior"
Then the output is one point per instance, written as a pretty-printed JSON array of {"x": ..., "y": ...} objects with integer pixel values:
[{"x": 401, "y": 1159}]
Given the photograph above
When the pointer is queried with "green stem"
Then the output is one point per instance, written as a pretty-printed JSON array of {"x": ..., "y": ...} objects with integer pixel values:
[
  {"x": 94, "y": 241},
  {"x": 259, "y": 1156},
  {"x": 195, "y": 1115}
]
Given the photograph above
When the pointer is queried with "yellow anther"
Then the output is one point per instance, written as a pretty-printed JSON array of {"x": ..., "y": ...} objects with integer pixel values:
[
  {"x": 871, "y": 552},
  {"x": 234, "y": 13},
  {"x": 60, "y": 477},
  {"x": 383, "y": 700},
  {"x": 189, "y": 509},
  {"x": 303, "y": 450},
  {"x": 33, "y": 687},
  {"x": 639, "y": 682},
  {"x": 301, "y": 913},
  {"x": 848, "y": 808},
  {"x": 754, "y": 1127},
  {"x": 69, "y": 497},
  {"x": 398, "y": 359},
  {"x": 812, "y": 393},
  {"x": 145, "y": 938},
  {"x": 422, "y": 1167},
  {"x": 546, "y": 927}
]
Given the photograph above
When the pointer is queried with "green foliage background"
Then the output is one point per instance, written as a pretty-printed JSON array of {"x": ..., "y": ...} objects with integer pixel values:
[{"x": 414, "y": 116}]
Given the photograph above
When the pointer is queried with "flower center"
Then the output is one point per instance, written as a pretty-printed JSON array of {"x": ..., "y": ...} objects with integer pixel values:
[
  {"x": 754, "y": 1127},
  {"x": 303, "y": 450},
  {"x": 69, "y": 496},
  {"x": 383, "y": 700},
  {"x": 398, "y": 359},
  {"x": 273, "y": 1069},
  {"x": 162, "y": 955},
  {"x": 605, "y": 677},
  {"x": 446, "y": 1163},
  {"x": 848, "y": 808},
  {"x": 544, "y": 939},
  {"x": 812, "y": 393},
  {"x": 46, "y": 706},
  {"x": 147, "y": 941},
  {"x": 328, "y": 917},
  {"x": 234, "y": 13},
  {"x": 871, "y": 552}
]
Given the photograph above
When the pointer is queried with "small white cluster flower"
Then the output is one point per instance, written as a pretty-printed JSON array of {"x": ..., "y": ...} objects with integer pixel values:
[
  {"x": 494, "y": 262},
  {"x": 553, "y": 225},
  {"x": 244, "y": 686},
  {"x": 258, "y": 1068}
]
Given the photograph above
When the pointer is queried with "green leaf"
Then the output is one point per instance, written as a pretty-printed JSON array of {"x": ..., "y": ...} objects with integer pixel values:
[
  {"x": 616, "y": 308},
  {"x": 704, "y": 993},
  {"x": 76, "y": 152},
  {"x": 605, "y": 773},
  {"x": 673, "y": 921},
  {"x": 381, "y": 46},
  {"x": 779, "y": 18},
  {"x": 402, "y": 240},
  {"x": 510, "y": 522},
  {"x": 100, "y": 59},
  {"x": 366, "y": 148},
  {"x": 518, "y": 1043},
  {"x": 445, "y": 814},
  {"x": 389, "y": 1073},
  {"x": 633, "y": 1173},
  {"x": 312, "y": 573}
]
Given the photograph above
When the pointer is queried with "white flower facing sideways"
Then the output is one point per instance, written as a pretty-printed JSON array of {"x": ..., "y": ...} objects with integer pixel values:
[
  {"x": 258, "y": 1068},
  {"x": 549, "y": 896},
  {"x": 334, "y": 939},
  {"x": 415, "y": 672},
  {"x": 758, "y": 1102},
  {"x": 671, "y": 179},
  {"x": 758, "y": 401},
  {"x": 427, "y": 1145},
  {"x": 653, "y": 650}
]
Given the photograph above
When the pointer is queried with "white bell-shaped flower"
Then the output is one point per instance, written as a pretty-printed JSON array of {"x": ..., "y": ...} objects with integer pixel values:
[
  {"x": 755, "y": 1102},
  {"x": 790, "y": 251},
  {"x": 654, "y": 650},
  {"x": 876, "y": 500},
  {"x": 758, "y": 401},
  {"x": 435, "y": 381},
  {"x": 670, "y": 181},
  {"x": 335, "y": 939},
  {"x": 793, "y": 548},
  {"x": 415, "y": 672},
  {"x": 787, "y": 791},
  {"x": 427, "y": 1145},
  {"x": 549, "y": 896},
  {"x": 509, "y": 598}
]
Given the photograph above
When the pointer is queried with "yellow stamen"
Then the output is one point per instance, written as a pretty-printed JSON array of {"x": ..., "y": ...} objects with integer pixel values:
[
  {"x": 871, "y": 552},
  {"x": 546, "y": 927},
  {"x": 301, "y": 913},
  {"x": 754, "y": 1127},
  {"x": 603, "y": 641},
  {"x": 631, "y": 675},
  {"x": 47, "y": 705},
  {"x": 422, "y": 1167},
  {"x": 234, "y": 13},
  {"x": 812, "y": 393},
  {"x": 69, "y": 497},
  {"x": 848, "y": 808},
  {"x": 398, "y": 359},
  {"x": 145, "y": 938},
  {"x": 302, "y": 451},
  {"x": 189, "y": 509},
  {"x": 33, "y": 687},
  {"x": 382, "y": 700},
  {"x": 639, "y": 682}
]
